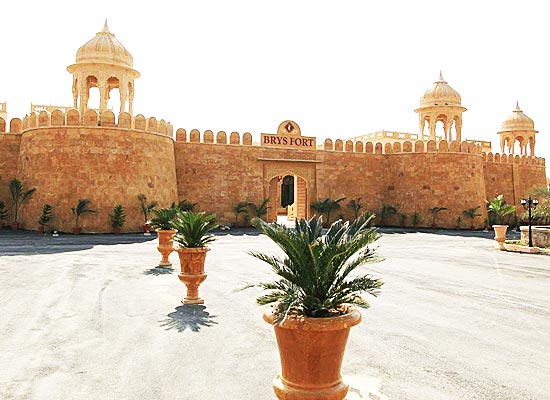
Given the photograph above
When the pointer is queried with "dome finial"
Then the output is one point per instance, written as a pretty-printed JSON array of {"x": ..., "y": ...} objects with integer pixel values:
[
  {"x": 517, "y": 106},
  {"x": 441, "y": 76},
  {"x": 106, "y": 27}
]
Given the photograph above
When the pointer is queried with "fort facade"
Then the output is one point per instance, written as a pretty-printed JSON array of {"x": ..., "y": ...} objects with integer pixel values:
[{"x": 77, "y": 152}]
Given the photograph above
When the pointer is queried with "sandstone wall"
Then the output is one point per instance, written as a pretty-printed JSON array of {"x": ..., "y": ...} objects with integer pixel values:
[
  {"x": 107, "y": 165},
  {"x": 9, "y": 154}
]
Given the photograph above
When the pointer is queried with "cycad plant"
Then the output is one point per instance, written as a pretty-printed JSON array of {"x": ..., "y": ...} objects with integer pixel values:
[
  {"x": 259, "y": 210},
  {"x": 238, "y": 209},
  {"x": 355, "y": 206},
  {"x": 193, "y": 229},
  {"x": 162, "y": 218},
  {"x": 500, "y": 209},
  {"x": 145, "y": 206},
  {"x": 327, "y": 206},
  {"x": 385, "y": 211},
  {"x": 435, "y": 212},
  {"x": 3, "y": 213},
  {"x": 315, "y": 271},
  {"x": 118, "y": 216},
  {"x": 472, "y": 214},
  {"x": 46, "y": 215},
  {"x": 19, "y": 196},
  {"x": 81, "y": 209}
]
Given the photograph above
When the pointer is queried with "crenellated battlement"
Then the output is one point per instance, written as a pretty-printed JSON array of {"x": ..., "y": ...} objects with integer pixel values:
[
  {"x": 208, "y": 137},
  {"x": 90, "y": 118},
  {"x": 430, "y": 146}
]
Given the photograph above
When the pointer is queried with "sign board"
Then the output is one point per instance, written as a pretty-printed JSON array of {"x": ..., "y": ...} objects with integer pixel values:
[{"x": 289, "y": 136}]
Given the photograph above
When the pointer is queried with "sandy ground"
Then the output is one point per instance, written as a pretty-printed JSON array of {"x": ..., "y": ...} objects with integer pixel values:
[{"x": 93, "y": 317}]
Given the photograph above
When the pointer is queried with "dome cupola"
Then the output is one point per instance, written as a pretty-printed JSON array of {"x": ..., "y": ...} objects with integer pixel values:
[
  {"x": 517, "y": 121},
  {"x": 441, "y": 94},
  {"x": 104, "y": 48}
]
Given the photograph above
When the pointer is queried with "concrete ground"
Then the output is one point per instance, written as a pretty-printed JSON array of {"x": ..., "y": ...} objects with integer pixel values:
[{"x": 93, "y": 317}]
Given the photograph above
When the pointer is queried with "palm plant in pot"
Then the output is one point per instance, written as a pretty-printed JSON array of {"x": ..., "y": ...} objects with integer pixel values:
[
  {"x": 117, "y": 217},
  {"x": 80, "y": 209},
  {"x": 161, "y": 222},
  {"x": 146, "y": 208},
  {"x": 45, "y": 217},
  {"x": 192, "y": 236},
  {"x": 499, "y": 209},
  {"x": 19, "y": 195},
  {"x": 313, "y": 302},
  {"x": 3, "y": 214}
]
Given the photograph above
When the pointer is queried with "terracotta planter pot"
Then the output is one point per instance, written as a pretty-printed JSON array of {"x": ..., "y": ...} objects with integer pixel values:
[
  {"x": 500, "y": 234},
  {"x": 146, "y": 228},
  {"x": 166, "y": 245},
  {"x": 77, "y": 230},
  {"x": 311, "y": 352},
  {"x": 117, "y": 230},
  {"x": 14, "y": 226},
  {"x": 41, "y": 229},
  {"x": 192, "y": 272}
]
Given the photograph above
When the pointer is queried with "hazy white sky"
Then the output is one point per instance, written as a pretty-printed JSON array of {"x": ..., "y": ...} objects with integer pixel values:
[{"x": 339, "y": 69}]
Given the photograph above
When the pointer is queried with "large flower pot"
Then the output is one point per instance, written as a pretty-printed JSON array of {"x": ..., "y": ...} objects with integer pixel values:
[
  {"x": 311, "y": 352},
  {"x": 166, "y": 245},
  {"x": 192, "y": 272},
  {"x": 500, "y": 234}
]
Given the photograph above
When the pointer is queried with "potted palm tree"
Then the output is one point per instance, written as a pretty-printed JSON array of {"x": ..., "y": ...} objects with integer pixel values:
[
  {"x": 435, "y": 212},
  {"x": 3, "y": 214},
  {"x": 45, "y": 218},
  {"x": 499, "y": 209},
  {"x": 117, "y": 217},
  {"x": 80, "y": 209},
  {"x": 161, "y": 222},
  {"x": 146, "y": 208},
  {"x": 19, "y": 195},
  {"x": 313, "y": 301},
  {"x": 260, "y": 210},
  {"x": 472, "y": 214},
  {"x": 192, "y": 236},
  {"x": 355, "y": 206}
]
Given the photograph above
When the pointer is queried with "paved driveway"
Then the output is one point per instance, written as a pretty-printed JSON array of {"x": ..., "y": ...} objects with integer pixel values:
[{"x": 92, "y": 317}]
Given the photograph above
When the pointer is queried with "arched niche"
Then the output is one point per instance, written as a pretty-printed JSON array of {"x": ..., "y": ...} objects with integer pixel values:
[
  {"x": 152, "y": 125},
  {"x": 247, "y": 139},
  {"x": 329, "y": 145},
  {"x": 107, "y": 118},
  {"x": 44, "y": 119},
  {"x": 73, "y": 117},
  {"x": 90, "y": 118},
  {"x": 338, "y": 145},
  {"x": 181, "y": 135},
  {"x": 359, "y": 146}
]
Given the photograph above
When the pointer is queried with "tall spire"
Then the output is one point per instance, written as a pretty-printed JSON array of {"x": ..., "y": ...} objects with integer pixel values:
[
  {"x": 441, "y": 77},
  {"x": 517, "y": 106},
  {"x": 106, "y": 27}
]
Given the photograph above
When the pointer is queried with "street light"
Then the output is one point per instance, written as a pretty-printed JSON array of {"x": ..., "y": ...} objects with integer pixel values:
[{"x": 528, "y": 204}]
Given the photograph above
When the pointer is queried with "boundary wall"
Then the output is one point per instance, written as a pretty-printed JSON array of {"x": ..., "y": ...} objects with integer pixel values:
[{"x": 67, "y": 157}]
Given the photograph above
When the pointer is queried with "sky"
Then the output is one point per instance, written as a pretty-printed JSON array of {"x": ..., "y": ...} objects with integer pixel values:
[{"x": 338, "y": 69}]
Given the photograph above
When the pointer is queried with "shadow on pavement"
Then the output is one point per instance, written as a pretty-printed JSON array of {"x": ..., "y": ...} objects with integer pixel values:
[
  {"x": 191, "y": 316},
  {"x": 30, "y": 242},
  {"x": 158, "y": 270}
]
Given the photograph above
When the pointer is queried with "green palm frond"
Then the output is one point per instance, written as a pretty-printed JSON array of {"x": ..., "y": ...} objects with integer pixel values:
[
  {"x": 315, "y": 271},
  {"x": 162, "y": 218},
  {"x": 193, "y": 229}
]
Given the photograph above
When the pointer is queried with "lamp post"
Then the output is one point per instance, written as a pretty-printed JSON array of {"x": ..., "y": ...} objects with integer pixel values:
[{"x": 529, "y": 204}]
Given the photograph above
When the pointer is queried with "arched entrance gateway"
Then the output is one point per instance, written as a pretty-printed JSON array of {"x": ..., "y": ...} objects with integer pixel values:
[
  {"x": 289, "y": 197},
  {"x": 289, "y": 182}
]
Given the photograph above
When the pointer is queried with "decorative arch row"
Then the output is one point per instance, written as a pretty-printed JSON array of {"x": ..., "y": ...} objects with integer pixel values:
[
  {"x": 90, "y": 118},
  {"x": 208, "y": 137}
]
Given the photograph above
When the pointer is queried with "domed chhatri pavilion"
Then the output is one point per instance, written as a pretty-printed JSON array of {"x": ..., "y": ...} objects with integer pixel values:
[{"x": 70, "y": 153}]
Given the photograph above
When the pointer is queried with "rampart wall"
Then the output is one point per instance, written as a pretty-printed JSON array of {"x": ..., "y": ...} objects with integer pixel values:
[{"x": 68, "y": 156}]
